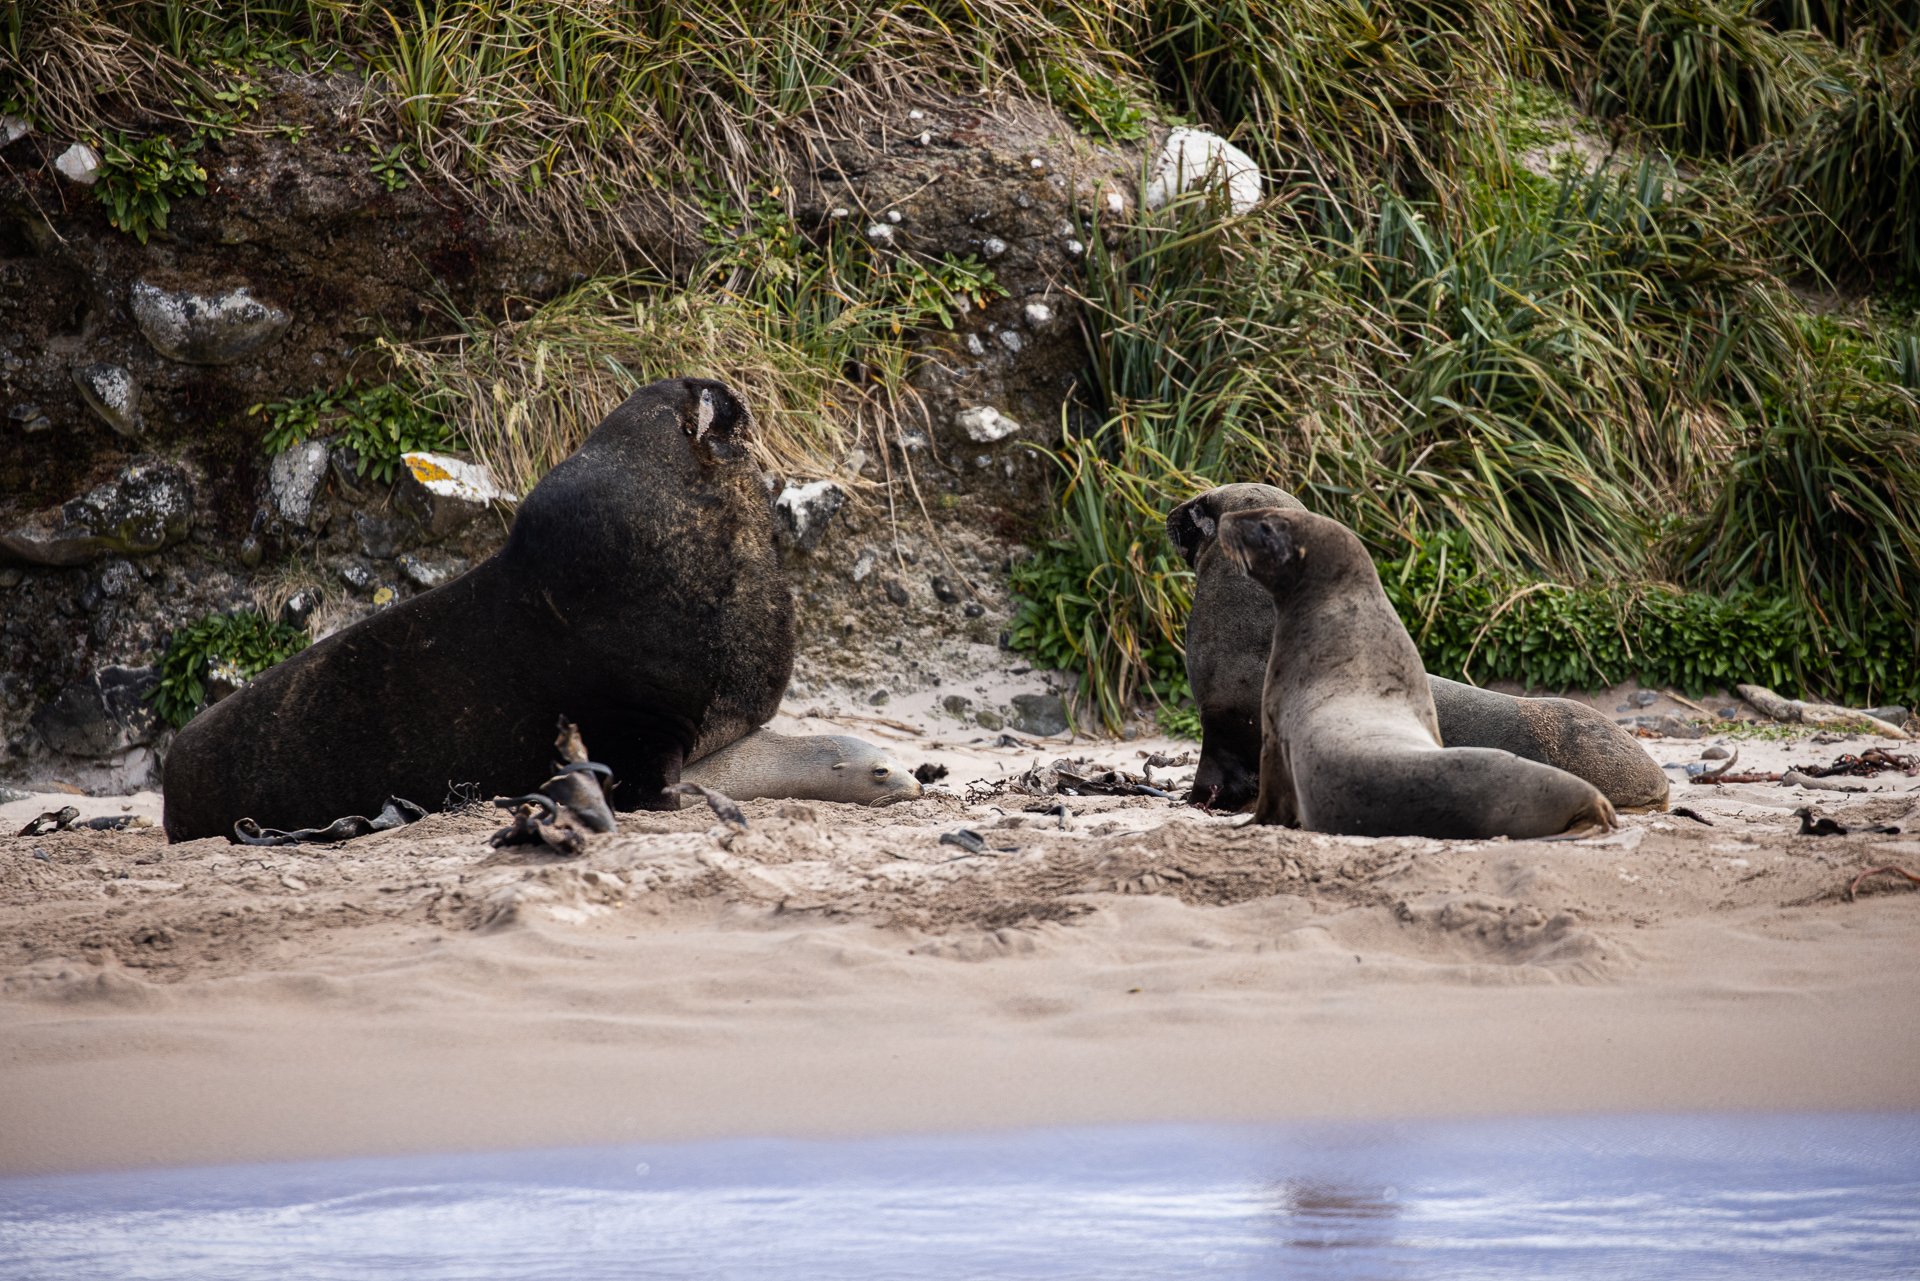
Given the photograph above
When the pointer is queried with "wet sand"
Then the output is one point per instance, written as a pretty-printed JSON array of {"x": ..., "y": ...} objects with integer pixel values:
[{"x": 838, "y": 971}]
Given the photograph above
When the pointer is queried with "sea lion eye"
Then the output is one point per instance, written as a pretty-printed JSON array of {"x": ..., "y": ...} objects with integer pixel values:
[{"x": 879, "y": 771}]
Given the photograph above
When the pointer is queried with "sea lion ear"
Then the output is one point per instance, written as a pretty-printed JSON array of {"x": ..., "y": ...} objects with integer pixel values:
[
  {"x": 1192, "y": 525},
  {"x": 716, "y": 420}
]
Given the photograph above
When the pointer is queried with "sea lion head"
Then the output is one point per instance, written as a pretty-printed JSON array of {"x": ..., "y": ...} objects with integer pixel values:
[
  {"x": 865, "y": 775},
  {"x": 1283, "y": 550},
  {"x": 1194, "y": 524},
  {"x": 705, "y": 414}
]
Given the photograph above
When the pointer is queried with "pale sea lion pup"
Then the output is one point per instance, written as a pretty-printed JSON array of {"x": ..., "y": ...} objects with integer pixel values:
[
  {"x": 1351, "y": 742},
  {"x": 1231, "y": 627},
  {"x": 810, "y": 767}
]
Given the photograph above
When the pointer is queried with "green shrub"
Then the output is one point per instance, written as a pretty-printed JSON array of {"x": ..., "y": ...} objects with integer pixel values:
[
  {"x": 379, "y": 422},
  {"x": 244, "y": 639},
  {"x": 1475, "y": 623},
  {"x": 140, "y": 178},
  {"x": 1886, "y": 22}
]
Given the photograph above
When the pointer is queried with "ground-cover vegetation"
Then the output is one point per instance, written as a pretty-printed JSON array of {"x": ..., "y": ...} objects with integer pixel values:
[
  {"x": 1598, "y": 414},
  {"x": 244, "y": 642}
]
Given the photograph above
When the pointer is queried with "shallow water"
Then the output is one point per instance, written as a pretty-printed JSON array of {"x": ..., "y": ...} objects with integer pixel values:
[{"x": 1627, "y": 1197}]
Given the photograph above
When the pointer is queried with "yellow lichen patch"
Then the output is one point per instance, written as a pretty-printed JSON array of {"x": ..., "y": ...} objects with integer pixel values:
[{"x": 425, "y": 469}]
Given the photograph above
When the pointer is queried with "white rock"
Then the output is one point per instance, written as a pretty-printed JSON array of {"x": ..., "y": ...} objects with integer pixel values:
[
  {"x": 893, "y": 216},
  {"x": 206, "y": 327},
  {"x": 294, "y": 478},
  {"x": 975, "y": 346},
  {"x": 984, "y": 424},
  {"x": 1116, "y": 203},
  {"x": 1011, "y": 340},
  {"x": 925, "y": 138},
  {"x": 863, "y": 564},
  {"x": 993, "y": 247},
  {"x": 1039, "y": 314},
  {"x": 1075, "y": 249},
  {"x": 1193, "y": 158},
  {"x": 916, "y": 115},
  {"x": 80, "y": 163},
  {"x": 112, "y": 393},
  {"x": 839, "y": 211},
  {"x": 880, "y": 233},
  {"x": 805, "y": 510},
  {"x": 12, "y": 129}
]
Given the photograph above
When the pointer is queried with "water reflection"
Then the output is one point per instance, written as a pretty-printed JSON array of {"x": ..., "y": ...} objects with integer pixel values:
[{"x": 1694, "y": 1197}]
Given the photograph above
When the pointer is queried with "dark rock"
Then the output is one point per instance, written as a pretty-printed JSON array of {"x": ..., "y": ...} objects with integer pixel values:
[
  {"x": 958, "y": 705},
  {"x": 803, "y": 512},
  {"x": 988, "y": 719},
  {"x": 1039, "y": 714},
  {"x": 1892, "y": 715},
  {"x": 146, "y": 507},
  {"x": 356, "y": 576},
  {"x": 112, "y": 394},
  {"x": 1645, "y": 698},
  {"x": 419, "y": 572},
  {"x": 943, "y": 591},
  {"x": 28, "y": 417},
  {"x": 299, "y": 607},
  {"x": 379, "y": 538},
  {"x": 973, "y": 609},
  {"x": 896, "y": 592},
  {"x": 879, "y": 698},
  {"x": 102, "y": 716},
  {"x": 206, "y": 328}
]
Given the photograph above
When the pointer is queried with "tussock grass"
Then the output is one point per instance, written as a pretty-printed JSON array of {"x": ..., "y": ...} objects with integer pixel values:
[
  {"x": 523, "y": 394},
  {"x": 1849, "y": 178},
  {"x": 1708, "y": 75}
]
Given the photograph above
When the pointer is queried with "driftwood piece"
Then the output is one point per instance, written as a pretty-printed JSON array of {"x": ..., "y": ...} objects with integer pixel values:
[{"x": 1825, "y": 715}]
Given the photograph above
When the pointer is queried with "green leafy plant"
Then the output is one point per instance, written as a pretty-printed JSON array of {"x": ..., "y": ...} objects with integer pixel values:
[
  {"x": 379, "y": 422},
  {"x": 390, "y": 166},
  {"x": 140, "y": 178},
  {"x": 245, "y": 640},
  {"x": 1097, "y": 103}
]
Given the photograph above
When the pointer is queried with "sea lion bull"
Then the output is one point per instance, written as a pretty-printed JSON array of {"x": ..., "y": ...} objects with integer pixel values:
[
  {"x": 1350, "y": 739},
  {"x": 1231, "y": 627},
  {"x": 639, "y": 593},
  {"x": 810, "y": 767}
]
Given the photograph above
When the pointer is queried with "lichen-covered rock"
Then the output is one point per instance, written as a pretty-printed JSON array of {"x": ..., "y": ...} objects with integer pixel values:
[
  {"x": 1193, "y": 158},
  {"x": 103, "y": 715},
  {"x": 443, "y": 494},
  {"x": 294, "y": 479},
  {"x": 146, "y": 507},
  {"x": 12, "y": 129},
  {"x": 206, "y": 328},
  {"x": 803, "y": 512},
  {"x": 112, "y": 394}
]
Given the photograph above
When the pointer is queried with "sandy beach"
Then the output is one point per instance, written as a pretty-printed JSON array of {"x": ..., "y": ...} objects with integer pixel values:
[{"x": 836, "y": 970}]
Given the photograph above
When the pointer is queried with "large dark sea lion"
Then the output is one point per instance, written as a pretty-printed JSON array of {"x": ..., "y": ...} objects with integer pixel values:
[
  {"x": 1350, "y": 739},
  {"x": 1231, "y": 627},
  {"x": 639, "y": 594}
]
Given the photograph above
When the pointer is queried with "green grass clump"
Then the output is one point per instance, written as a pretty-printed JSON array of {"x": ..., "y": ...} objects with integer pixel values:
[
  {"x": 245, "y": 639},
  {"x": 379, "y": 422},
  {"x": 1709, "y": 75},
  {"x": 1849, "y": 179},
  {"x": 140, "y": 178}
]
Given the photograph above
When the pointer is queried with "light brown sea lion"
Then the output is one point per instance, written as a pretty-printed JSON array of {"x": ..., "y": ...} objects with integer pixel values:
[
  {"x": 1350, "y": 739},
  {"x": 809, "y": 767},
  {"x": 639, "y": 593},
  {"x": 1231, "y": 627}
]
